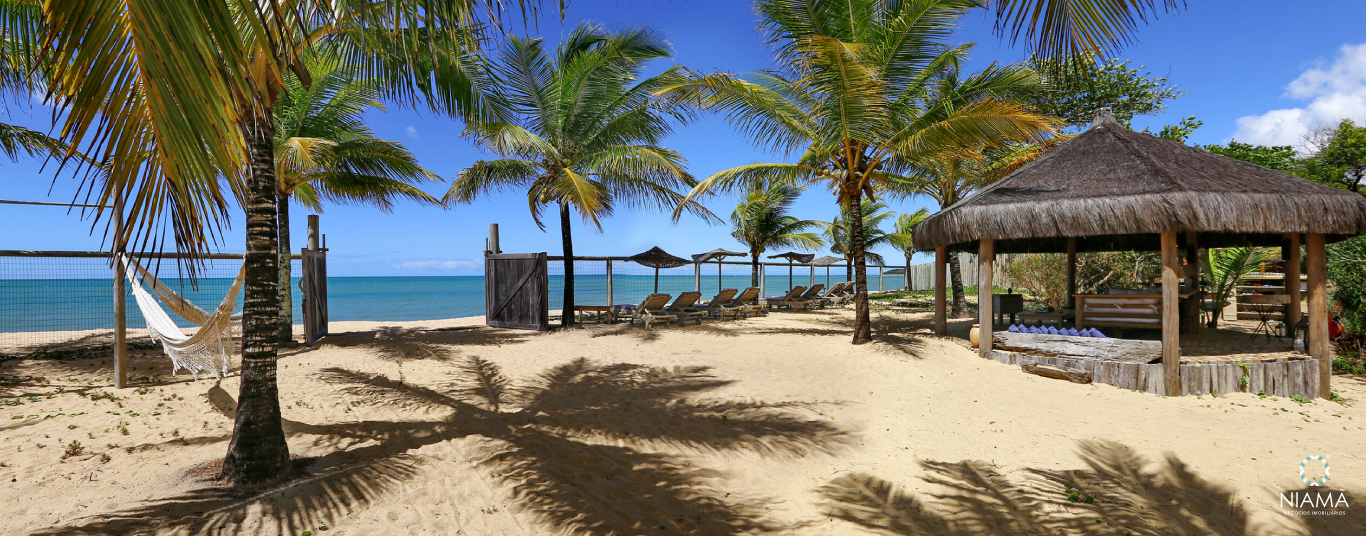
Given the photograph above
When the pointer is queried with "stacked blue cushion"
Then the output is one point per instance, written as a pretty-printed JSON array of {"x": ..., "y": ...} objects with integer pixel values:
[{"x": 1050, "y": 330}]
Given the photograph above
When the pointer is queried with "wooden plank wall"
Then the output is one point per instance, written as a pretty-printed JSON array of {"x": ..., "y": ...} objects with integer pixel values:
[{"x": 1279, "y": 378}]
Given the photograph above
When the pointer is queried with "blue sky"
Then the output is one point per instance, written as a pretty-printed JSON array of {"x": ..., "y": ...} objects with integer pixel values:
[{"x": 1257, "y": 71}]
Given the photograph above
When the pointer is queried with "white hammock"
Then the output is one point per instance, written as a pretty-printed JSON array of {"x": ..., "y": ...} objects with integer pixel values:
[{"x": 210, "y": 348}]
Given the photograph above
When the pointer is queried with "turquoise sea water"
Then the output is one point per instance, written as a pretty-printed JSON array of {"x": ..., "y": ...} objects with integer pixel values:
[{"x": 81, "y": 304}]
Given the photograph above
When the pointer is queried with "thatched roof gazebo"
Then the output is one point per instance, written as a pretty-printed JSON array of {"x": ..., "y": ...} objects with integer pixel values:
[
  {"x": 1113, "y": 189},
  {"x": 718, "y": 254},
  {"x": 793, "y": 256},
  {"x": 657, "y": 258}
]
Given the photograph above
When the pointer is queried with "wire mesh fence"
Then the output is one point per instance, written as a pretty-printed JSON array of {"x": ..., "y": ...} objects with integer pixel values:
[{"x": 52, "y": 301}]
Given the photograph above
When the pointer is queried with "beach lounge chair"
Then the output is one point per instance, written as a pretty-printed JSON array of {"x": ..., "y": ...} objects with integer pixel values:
[
  {"x": 747, "y": 304},
  {"x": 650, "y": 311},
  {"x": 830, "y": 294},
  {"x": 812, "y": 293},
  {"x": 790, "y": 300},
  {"x": 845, "y": 294},
  {"x": 719, "y": 306},
  {"x": 685, "y": 307}
]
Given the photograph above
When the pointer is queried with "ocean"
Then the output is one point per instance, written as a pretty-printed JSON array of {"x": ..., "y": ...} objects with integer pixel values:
[{"x": 81, "y": 304}]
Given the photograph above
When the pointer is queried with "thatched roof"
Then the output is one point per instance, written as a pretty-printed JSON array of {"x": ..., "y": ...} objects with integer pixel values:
[
  {"x": 827, "y": 261},
  {"x": 714, "y": 254},
  {"x": 1119, "y": 188},
  {"x": 658, "y": 258},
  {"x": 793, "y": 256}
]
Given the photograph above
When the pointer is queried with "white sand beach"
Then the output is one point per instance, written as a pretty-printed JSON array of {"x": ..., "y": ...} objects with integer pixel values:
[{"x": 766, "y": 425}]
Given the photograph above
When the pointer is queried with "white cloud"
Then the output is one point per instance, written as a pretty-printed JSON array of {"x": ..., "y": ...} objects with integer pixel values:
[
  {"x": 1334, "y": 92},
  {"x": 412, "y": 132},
  {"x": 437, "y": 265}
]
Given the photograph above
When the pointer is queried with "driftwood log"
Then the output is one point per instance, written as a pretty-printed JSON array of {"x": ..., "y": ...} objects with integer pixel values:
[
  {"x": 1121, "y": 350},
  {"x": 1074, "y": 376}
]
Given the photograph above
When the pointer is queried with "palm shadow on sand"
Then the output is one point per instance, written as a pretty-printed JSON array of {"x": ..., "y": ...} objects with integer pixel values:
[
  {"x": 582, "y": 449},
  {"x": 1127, "y": 494}
]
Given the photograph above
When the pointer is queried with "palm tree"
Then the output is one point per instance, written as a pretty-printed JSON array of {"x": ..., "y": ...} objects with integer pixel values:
[
  {"x": 838, "y": 231},
  {"x": 1226, "y": 268},
  {"x": 586, "y": 133},
  {"x": 761, "y": 221},
  {"x": 857, "y": 96},
  {"x": 325, "y": 151},
  {"x": 203, "y": 110},
  {"x": 902, "y": 236}
]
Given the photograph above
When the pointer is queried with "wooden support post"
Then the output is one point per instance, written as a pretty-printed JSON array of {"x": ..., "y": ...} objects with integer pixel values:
[
  {"x": 610, "y": 303},
  {"x": 120, "y": 308},
  {"x": 985, "y": 257},
  {"x": 314, "y": 245},
  {"x": 1071, "y": 271},
  {"x": 813, "y": 276},
  {"x": 941, "y": 259},
  {"x": 763, "y": 280},
  {"x": 1293, "y": 282},
  {"x": 879, "y": 278},
  {"x": 1171, "y": 315},
  {"x": 697, "y": 277},
  {"x": 493, "y": 239},
  {"x": 1318, "y": 310}
]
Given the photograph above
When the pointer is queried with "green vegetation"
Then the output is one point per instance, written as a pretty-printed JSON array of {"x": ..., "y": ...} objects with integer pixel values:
[
  {"x": 579, "y": 131},
  {"x": 761, "y": 221}
]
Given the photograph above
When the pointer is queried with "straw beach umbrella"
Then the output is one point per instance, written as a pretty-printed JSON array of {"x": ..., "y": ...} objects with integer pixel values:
[
  {"x": 826, "y": 261},
  {"x": 717, "y": 254},
  {"x": 657, "y": 258},
  {"x": 791, "y": 257}
]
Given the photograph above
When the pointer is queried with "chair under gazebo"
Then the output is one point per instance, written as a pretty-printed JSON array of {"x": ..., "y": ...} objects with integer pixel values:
[{"x": 1113, "y": 189}]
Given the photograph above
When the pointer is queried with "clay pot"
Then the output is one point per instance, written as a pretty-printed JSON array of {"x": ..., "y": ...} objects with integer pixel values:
[{"x": 975, "y": 335}]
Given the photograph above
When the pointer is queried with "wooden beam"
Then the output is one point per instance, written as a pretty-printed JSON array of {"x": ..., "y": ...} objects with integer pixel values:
[
  {"x": 1071, "y": 270},
  {"x": 120, "y": 309},
  {"x": 1293, "y": 282},
  {"x": 1171, "y": 315},
  {"x": 1318, "y": 310},
  {"x": 985, "y": 256},
  {"x": 941, "y": 258}
]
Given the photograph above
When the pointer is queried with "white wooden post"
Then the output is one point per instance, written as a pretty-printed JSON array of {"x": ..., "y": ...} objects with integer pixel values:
[
  {"x": 1293, "y": 282},
  {"x": 697, "y": 277},
  {"x": 610, "y": 303}
]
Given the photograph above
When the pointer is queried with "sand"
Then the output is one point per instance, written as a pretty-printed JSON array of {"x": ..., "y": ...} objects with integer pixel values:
[{"x": 767, "y": 425}]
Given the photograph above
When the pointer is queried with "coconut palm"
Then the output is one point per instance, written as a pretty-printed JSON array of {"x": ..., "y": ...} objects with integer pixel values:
[
  {"x": 324, "y": 151},
  {"x": 761, "y": 222},
  {"x": 586, "y": 134},
  {"x": 857, "y": 96},
  {"x": 203, "y": 110},
  {"x": 1226, "y": 268},
  {"x": 902, "y": 236},
  {"x": 838, "y": 231}
]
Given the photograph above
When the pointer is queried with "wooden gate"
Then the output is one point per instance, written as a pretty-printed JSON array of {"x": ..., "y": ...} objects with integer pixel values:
[
  {"x": 314, "y": 287},
  {"x": 516, "y": 291}
]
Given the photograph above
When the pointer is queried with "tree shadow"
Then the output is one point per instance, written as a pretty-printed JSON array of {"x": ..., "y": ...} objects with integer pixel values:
[
  {"x": 579, "y": 448},
  {"x": 396, "y": 342},
  {"x": 1119, "y": 493}
]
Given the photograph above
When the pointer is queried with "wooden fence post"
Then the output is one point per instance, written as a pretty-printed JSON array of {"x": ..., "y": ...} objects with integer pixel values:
[
  {"x": 610, "y": 303},
  {"x": 697, "y": 277},
  {"x": 120, "y": 308}
]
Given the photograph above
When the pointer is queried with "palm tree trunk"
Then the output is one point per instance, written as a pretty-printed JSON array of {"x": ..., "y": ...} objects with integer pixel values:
[
  {"x": 567, "y": 312},
  {"x": 258, "y": 454},
  {"x": 960, "y": 301},
  {"x": 754, "y": 268},
  {"x": 286, "y": 272},
  {"x": 863, "y": 328},
  {"x": 906, "y": 277}
]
